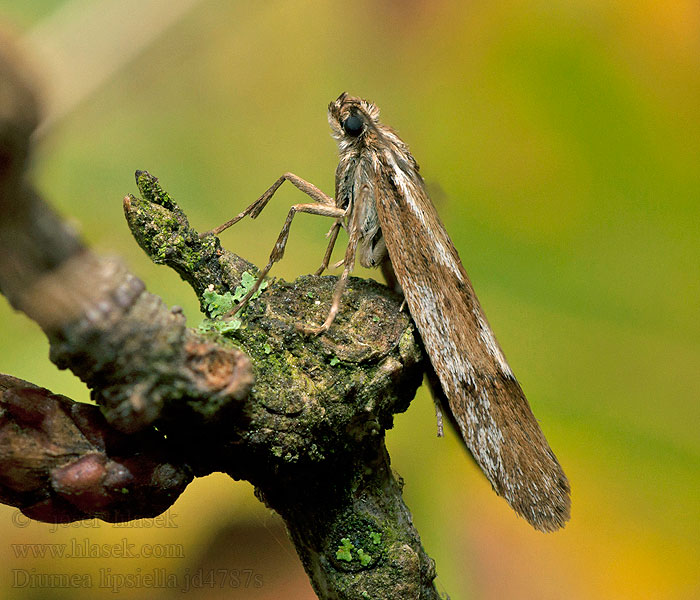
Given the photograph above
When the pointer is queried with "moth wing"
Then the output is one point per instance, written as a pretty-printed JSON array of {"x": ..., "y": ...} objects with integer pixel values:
[{"x": 484, "y": 397}]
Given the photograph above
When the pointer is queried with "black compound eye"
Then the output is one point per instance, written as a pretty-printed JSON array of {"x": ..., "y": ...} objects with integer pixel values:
[{"x": 353, "y": 125}]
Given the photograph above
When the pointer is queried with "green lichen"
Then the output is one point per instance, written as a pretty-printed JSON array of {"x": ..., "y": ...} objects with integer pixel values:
[
  {"x": 365, "y": 559},
  {"x": 345, "y": 550},
  {"x": 360, "y": 543},
  {"x": 247, "y": 282},
  {"x": 218, "y": 305}
]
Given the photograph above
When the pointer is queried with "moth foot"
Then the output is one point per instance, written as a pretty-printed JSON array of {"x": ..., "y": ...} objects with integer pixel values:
[{"x": 311, "y": 330}]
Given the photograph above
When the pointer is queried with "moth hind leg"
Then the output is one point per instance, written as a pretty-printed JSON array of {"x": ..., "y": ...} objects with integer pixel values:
[
  {"x": 337, "y": 294},
  {"x": 349, "y": 263},
  {"x": 333, "y": 235},
  {"x": 391, "y": 281}
]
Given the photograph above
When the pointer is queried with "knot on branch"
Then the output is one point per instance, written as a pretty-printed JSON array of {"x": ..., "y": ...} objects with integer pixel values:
[
  {"x": 332, "y": 393},
  {"x": 142, "y": 363},
  {"x": 60, "y": 461},
  {"x": 217, "y": 371}
]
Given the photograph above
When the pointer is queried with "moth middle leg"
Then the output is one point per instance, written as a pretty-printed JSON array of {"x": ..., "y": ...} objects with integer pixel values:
[{"x": 277, "y": 253}]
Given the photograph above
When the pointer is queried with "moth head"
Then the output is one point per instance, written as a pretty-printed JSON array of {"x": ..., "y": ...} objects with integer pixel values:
[{"x": 351, "y": 118}]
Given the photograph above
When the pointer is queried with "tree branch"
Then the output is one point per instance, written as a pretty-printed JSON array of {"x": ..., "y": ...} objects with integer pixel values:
[
  {"x": 302, "y": 418},
  {"x": 314, "y": 444}
]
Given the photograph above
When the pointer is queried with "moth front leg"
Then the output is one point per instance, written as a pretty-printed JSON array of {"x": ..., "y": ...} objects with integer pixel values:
[
  {"x": 256, "y": 208},
  {"x": 278, "y": 250}
]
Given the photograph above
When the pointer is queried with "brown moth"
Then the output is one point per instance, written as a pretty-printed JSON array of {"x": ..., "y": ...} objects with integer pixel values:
[{"x": 381, "y": 200}]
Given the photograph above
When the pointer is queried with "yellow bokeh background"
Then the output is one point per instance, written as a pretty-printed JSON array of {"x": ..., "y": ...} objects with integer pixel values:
[{"x": 561, "y": 145}]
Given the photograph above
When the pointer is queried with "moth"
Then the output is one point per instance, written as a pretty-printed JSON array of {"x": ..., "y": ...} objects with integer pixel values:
[{"x": 381, "y": 200}]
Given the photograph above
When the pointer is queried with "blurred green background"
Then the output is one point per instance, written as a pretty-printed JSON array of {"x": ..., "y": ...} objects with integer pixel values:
[{"x": 561, "y": 143}]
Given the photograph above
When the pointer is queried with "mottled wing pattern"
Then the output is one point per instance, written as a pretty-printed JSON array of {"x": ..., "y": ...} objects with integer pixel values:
[{"x": 484, "y": 397}]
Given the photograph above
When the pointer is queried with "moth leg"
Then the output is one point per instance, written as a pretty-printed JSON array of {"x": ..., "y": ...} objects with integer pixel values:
[
  {"x": 349, "y": 262},
  {"x": 256, "y": 208},
  {"x": 337, "y": 292},
  {"x": 391, "y": 281},
  {"x": 438, "y": 416},
  {"x": 439, "y": 399},
  {"x": 333, "y": 233},
  {"x": 277, "y": 253}
]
